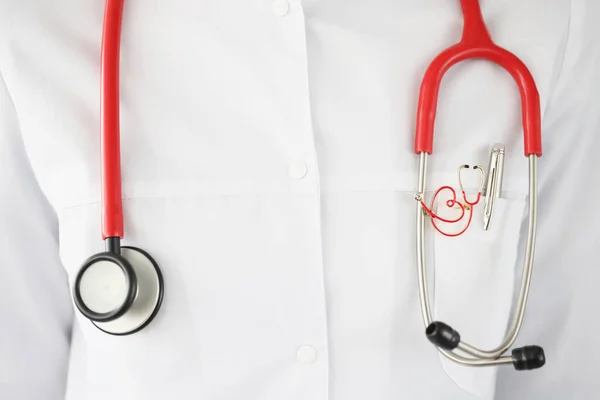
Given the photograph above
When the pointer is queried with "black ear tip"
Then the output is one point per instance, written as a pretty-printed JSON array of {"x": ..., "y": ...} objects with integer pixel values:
[
  {"x": 442, "y": 335},
  {"x": 431, "y": 329},
  {"x": 528, "y": 358}
]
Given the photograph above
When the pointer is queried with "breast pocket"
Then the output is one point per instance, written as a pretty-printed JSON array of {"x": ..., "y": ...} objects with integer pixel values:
[{"x": 474, "y": 285}]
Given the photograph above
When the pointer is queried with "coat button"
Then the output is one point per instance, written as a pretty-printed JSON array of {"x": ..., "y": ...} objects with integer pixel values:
[
  {"x": 298, "y": 170},
  {"x": 307, "y": 354},
  {"x": 280, "y": 8}
]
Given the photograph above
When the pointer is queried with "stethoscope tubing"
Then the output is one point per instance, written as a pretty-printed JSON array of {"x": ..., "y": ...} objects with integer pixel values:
[
  {"x": 110, "y": 141},
  {"x": 477, "y": 43}
]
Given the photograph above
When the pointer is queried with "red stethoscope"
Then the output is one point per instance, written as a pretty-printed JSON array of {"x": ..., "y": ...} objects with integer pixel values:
[{"x": 121, "y": 290}]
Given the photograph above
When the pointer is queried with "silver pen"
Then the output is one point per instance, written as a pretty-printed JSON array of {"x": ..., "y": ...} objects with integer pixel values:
[{"x": 493, "y": 185}]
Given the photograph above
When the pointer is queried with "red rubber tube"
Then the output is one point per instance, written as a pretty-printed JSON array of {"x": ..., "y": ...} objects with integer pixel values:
[
  {"x": 477, "y": 43},
  {"x": 110, "y": 145}
]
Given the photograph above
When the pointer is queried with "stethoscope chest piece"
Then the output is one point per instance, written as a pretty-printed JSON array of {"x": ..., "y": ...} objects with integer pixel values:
[{"x": 119, "y": 293}]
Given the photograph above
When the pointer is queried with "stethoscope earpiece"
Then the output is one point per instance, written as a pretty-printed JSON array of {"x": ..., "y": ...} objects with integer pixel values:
[
  {"x": 528, "y": 357},
  {"x": 442, "y": 335},
  {"x": 523, "y": 358}
]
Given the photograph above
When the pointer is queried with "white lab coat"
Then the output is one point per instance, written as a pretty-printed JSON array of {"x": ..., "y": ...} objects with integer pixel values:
[{"x": 268, "y": 167}]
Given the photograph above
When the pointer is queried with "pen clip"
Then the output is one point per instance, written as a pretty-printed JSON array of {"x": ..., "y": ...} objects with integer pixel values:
[{"x": 493, "y": 185}]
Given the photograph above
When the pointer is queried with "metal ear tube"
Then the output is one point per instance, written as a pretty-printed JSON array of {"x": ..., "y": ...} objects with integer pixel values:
[{"x": 447, "y": 339}]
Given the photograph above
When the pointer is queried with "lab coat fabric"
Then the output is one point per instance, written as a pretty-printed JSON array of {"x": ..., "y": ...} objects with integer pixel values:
[{"x": 268, "y": 167}]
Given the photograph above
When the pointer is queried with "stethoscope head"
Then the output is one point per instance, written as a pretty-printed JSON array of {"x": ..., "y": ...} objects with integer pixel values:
[
  {"x": 105, "y": 287},
  {"x": 119, "y": 290}
]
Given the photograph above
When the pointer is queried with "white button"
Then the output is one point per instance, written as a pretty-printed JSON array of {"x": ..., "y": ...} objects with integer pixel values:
[
  {"x": 298, "y": 170},
  {"x": 280, "y": 7},
  {"x": 307, "y": 354}
]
